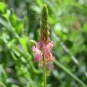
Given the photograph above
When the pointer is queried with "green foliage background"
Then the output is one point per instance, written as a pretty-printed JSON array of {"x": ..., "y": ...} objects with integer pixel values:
[{"x": 20, "y": 22}]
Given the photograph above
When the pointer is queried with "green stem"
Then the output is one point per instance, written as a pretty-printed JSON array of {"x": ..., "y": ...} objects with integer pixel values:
[
  {"x": 69, "y": 73},
  {"x": 44, "y": 76},
  {"x": 2, "y": 84}
]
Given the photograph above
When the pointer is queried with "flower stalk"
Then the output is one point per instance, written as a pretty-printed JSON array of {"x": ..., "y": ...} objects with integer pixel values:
[
  {"x": 44, "y": 76},
  {"x": 2, "y": 84},
  {"x": 42, "y": 49}
]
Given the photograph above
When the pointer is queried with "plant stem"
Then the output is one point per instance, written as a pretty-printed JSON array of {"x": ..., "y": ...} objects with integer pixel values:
[
  {"x": 44, "y": 76},
  {"x": 69, "y": 73},
  {"x": 2, "y": 84}
]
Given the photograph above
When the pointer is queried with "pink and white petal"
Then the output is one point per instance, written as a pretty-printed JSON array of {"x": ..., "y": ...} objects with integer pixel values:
[
  {"x": 47, "y": 51},
  {"x": 50, "y": 45},
  {"x": 50, "y": 59},
  {"x": 38, "y": 57},
  {"x": 33, "y": 48},
  {"x": 40, "y": 44}
]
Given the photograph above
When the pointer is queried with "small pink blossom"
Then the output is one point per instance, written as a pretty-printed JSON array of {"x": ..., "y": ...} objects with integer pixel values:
[
  {"x": 38, "y": 57},
  {"x": 50, "y": 45},
  {"x": 43, "y": 49},
  {"x": 40, "y": 44},
  {"x": 34, "y": 49},
  {"x": 48, "y": 48},
  {"x": 47, "y": 51},
  {"x": 50, "y": 58},
  {"x": 38, "y": 54}
]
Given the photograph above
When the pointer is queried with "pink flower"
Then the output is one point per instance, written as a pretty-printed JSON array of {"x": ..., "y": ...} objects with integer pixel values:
[
  {"x": 40, "y": 44},
  {"x": 38, "y": 57},
  {"x": 43, "y": 49},
  {"x": 50, "y": 58},
  {"x": 38, "y": 54},
  {"x": 50, "y": 45},
  {"x": 48, "y": 48},
  {"x": 34, "y": 49}
]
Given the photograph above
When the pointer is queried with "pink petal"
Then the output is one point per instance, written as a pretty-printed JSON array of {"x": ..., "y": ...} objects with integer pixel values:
[
  {"x": 49, "y": 59},
  {"x": 50, "y": 45},
  {"x": 40, "y": 44},
  {"x": 33, "y": 48},
  {"x": 47, "y": 51},
  {"x": 38, "y": 57},
  {"x": 47, "y": 48}
]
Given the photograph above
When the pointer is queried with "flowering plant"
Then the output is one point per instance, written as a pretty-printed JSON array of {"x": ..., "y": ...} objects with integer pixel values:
[
  {"x": 42, "y": 49},
  {"x": 43, "y": 53}
]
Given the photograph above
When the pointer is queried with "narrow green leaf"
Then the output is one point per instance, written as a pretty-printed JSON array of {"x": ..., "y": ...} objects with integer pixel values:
[
  {"x": 2, "y": 7},
  {"x": 19, "y": 28},
  {"x": 13, "y": 20},
  {"x": 69, "y": 73}
]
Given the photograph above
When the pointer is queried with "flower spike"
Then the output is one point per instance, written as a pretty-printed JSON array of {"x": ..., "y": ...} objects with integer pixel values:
[{"x": 42, "y": 49}]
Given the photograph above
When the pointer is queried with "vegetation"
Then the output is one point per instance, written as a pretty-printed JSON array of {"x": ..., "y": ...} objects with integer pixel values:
[{"x": 20, "y": 23}]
